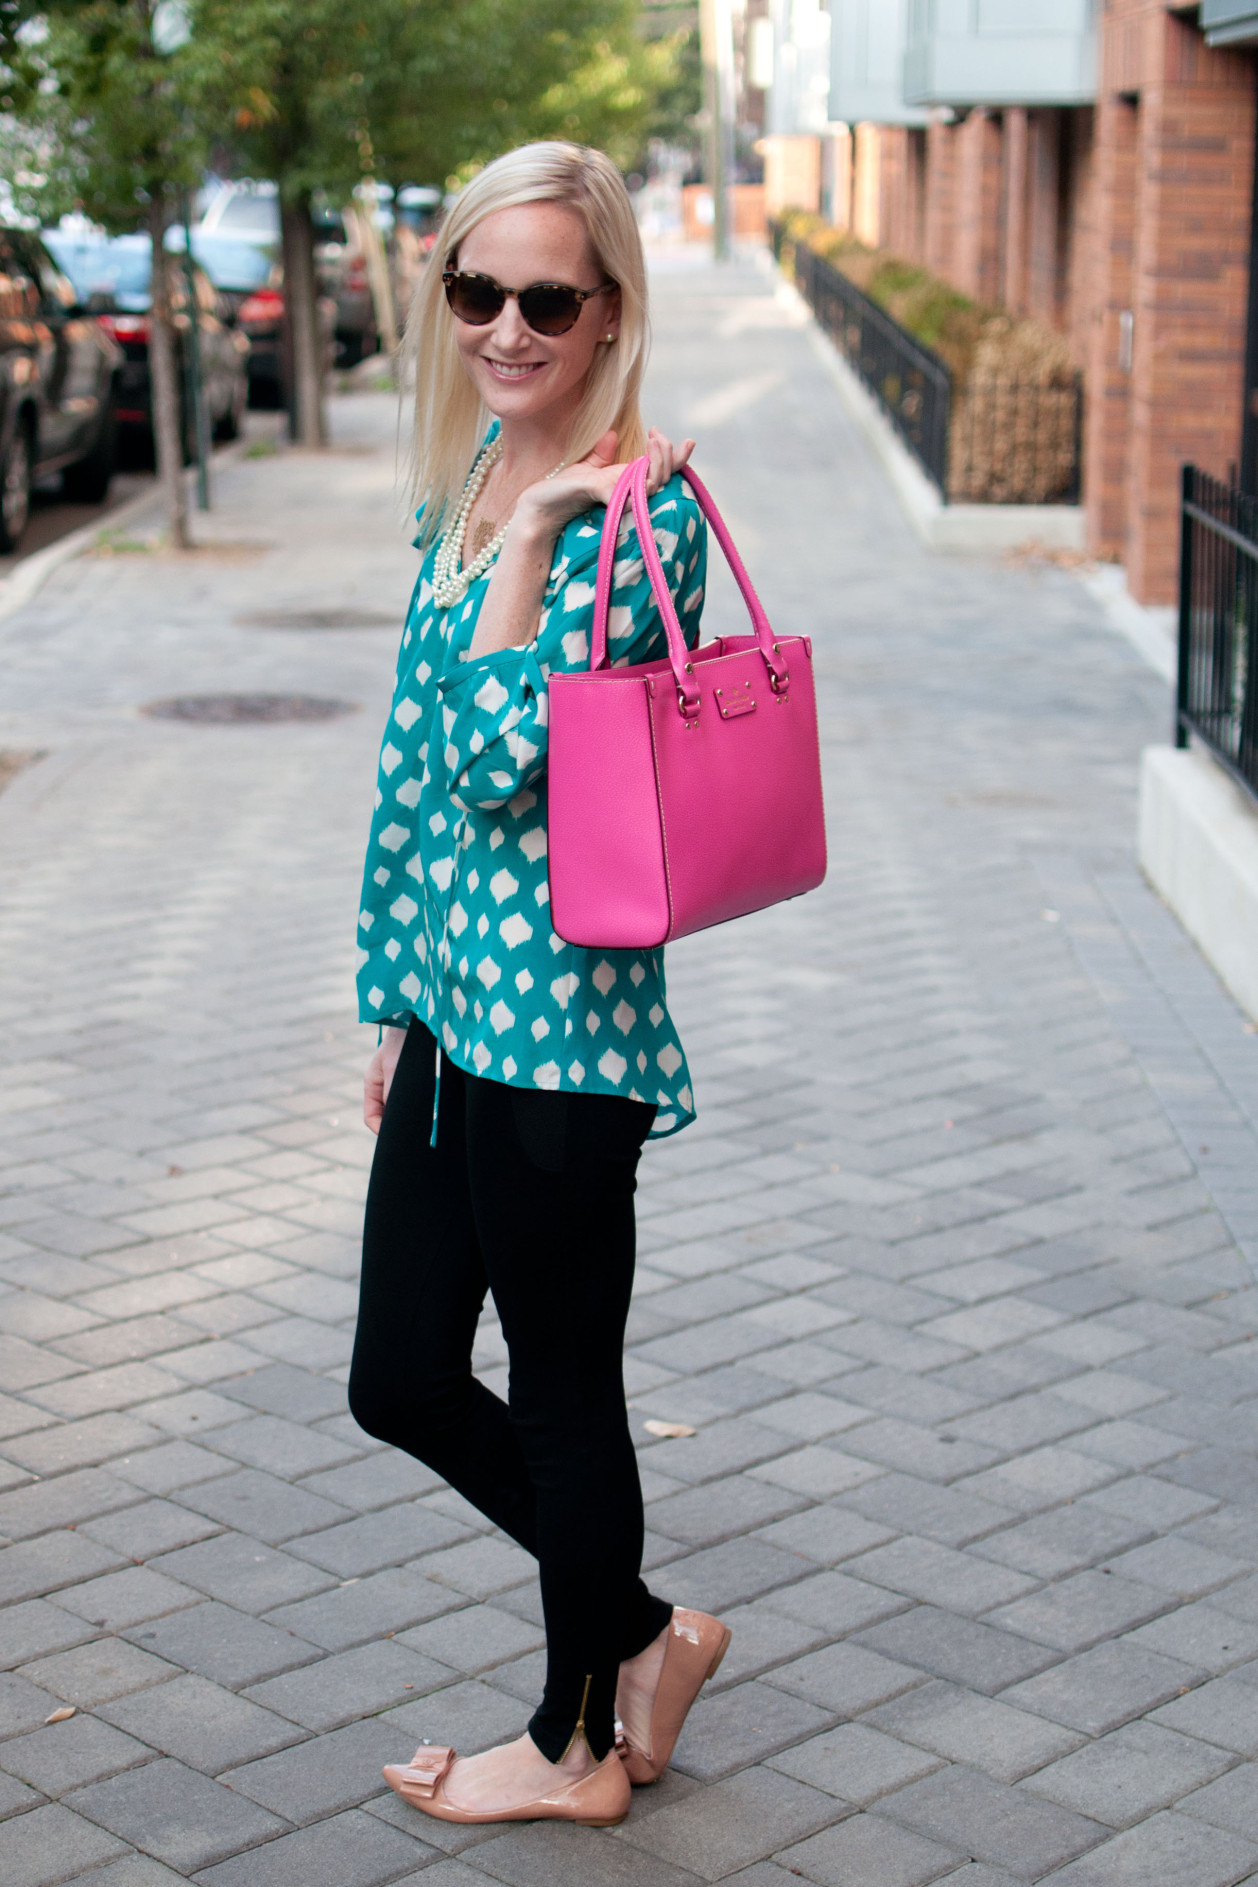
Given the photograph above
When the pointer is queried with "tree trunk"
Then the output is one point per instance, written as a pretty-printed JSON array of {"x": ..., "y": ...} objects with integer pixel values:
[
  {"x": 302, "y": 316},
  {"x": 164, "y": 383}
]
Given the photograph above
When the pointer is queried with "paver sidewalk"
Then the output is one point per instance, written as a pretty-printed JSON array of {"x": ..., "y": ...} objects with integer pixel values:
[{"x": 951, "y": 1277}]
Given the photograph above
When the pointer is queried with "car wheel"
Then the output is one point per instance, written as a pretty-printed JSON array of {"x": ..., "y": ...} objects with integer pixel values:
[
  {"x": 265, "y": 393},
  {"x": 15, "y": 490},
  {"x": 87, "y": 482},
  {"x": 187, "y": 431},
  {"x": 233, "y": 419}
]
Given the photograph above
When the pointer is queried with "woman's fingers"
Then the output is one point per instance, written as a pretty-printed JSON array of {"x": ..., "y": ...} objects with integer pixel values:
[
  {"x": 660, "y": 457},
  {"x": 602, "y": 452},
  {"x": 390, "y": 1069},
  {"x": 597, "y": 485},
  {"x": 374, "y": 1092},
  {"x": 666, "y": 459}
]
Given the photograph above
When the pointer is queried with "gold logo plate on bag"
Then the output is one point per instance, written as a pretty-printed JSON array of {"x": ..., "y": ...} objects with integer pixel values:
[{"x": 735, "y": 700}]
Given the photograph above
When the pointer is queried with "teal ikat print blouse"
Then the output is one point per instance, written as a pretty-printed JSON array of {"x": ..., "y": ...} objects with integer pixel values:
[{"x": 455, "y": 926}]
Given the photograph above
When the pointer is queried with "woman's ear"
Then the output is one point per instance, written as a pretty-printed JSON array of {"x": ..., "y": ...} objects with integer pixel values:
[{"x": 611, "y": 309}]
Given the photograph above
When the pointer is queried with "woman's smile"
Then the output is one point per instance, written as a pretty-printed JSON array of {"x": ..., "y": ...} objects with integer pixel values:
[{"x": 512, "y": 369}]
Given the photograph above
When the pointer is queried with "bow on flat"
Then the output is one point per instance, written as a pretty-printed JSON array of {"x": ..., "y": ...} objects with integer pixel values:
[{"x": 425, "y": 1770}]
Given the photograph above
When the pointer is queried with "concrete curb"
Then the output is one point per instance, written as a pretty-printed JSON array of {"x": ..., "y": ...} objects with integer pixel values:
[
  {"x": 34, "y": 571},
  {"x": 1151, "y": 631},
  {"x": 1198, "y": 847},
  {"x": 44, "y": 774},
  {"x": 942, "y": 527}
]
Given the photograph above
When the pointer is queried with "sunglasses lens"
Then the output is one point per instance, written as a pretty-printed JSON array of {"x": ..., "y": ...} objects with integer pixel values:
[
  {"x": 550, "y": 310},
  {"x": 474, "y": 299}
]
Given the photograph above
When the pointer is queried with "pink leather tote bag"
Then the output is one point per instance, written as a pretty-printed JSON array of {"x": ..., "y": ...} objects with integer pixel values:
[{"x": 685, "y": 791}]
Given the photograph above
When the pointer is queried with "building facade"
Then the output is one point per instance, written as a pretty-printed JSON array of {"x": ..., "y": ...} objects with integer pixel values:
[{"x": 1089, "y": 164}]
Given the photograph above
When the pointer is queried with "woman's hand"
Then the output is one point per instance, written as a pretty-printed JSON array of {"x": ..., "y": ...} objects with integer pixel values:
[
  {"x": 379, "y": 1076},
  {"x": 517, "y": 585},
  {"x": 543, "y": 509}
]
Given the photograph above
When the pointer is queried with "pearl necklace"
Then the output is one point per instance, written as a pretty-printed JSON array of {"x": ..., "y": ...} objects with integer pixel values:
[{"x": 450, "y": 575}]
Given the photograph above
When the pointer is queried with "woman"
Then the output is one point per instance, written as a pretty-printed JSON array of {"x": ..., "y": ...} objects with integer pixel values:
[{"x": 518, "y": 1076}]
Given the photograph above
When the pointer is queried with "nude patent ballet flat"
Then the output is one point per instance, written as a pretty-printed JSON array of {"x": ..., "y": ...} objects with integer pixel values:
[
  {"x": 696, "y": 1644},
  {"x": 598, "y": 1800}
]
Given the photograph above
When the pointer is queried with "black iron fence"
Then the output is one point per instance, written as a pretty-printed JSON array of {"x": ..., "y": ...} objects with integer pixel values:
[
  {"x": 997, "y": 438},
  {"x": 910, "y": 383},
  {"x": 1218, "y": 623}
]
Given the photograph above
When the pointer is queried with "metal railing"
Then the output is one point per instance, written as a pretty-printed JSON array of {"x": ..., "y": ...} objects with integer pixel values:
[
  {"x": 910, "y": 383},
  {"x": 1217, "y": 695},
  {"x": 992, "y": 439}
]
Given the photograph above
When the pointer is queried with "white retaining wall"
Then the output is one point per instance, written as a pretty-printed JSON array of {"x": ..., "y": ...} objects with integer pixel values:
[{"x": 1199, "y": 849}]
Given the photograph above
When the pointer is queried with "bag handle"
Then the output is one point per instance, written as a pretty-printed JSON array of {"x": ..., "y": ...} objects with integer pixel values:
[{"x": 632, "y": 485}]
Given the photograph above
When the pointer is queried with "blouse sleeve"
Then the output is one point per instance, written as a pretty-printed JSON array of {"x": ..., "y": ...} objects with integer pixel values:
[{"x": 494, "y": 709}]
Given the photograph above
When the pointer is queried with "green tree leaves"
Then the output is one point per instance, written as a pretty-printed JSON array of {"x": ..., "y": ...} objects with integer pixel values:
[{"x": 101, "y": 121}]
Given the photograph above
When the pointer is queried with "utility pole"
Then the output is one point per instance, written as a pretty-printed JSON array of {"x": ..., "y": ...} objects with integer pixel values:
[
  {"x": 716, "y": 50},
  {"x": 726, "y": 98},
  {"x": 196, "y": 379}
]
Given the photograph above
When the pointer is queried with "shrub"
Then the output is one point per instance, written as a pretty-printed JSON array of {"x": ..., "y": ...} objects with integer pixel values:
[
  {"x": 1011, "y": 435},
  {"x": 968, "y": 336}
]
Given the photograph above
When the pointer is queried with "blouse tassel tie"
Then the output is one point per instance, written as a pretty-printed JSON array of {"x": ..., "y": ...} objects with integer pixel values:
[{"x": 445, "y": 954}]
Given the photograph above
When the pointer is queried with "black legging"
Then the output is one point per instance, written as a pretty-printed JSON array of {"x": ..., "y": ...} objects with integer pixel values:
[{"x": 528, "y": 1194}]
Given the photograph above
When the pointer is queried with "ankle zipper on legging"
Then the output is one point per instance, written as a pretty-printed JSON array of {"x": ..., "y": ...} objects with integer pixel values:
[
  {"x": 436, "y": 1098},
  {"x": 580, "y": 1723}
]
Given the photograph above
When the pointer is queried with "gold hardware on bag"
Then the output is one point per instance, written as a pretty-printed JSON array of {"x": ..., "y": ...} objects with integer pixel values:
[{"x": 735, "y": 700}]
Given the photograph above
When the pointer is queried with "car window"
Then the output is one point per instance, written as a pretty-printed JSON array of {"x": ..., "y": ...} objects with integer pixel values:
[
  {"x": 98, "y": 265},
  {"x": 231, "y": 262},
  {"x": 260, "y": 214},
  {"x": 19, "y": 294},
  {"x": 55, "y": 290}
]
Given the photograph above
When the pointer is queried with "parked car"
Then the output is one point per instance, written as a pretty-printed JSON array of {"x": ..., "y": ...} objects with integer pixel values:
[
  {"x": 237, "y": 267},
  {"x": 250, "y": 213},
  {"x": 261, "y": 318},
  {"x": 249, "y": 276},
  {"x": 253, "y": 288},
  {"x": 57, "y": 377},
  {"x": 112, "y": 275},
  {"x": 418, "y": 207},
  {"x": 342, "y": 271}
]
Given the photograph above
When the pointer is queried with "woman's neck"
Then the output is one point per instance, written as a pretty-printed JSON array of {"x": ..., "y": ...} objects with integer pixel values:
[{"x": 533, "y": 447}]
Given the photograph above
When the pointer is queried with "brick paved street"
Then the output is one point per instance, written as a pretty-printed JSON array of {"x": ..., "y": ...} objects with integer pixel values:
[{"x": 952, "y": 1277}]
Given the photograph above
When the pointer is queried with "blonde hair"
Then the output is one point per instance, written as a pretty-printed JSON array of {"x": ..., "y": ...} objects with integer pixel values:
[{"x": 450, "y": 417}]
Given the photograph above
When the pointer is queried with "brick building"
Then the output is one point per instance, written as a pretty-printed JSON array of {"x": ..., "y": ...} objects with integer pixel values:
[{"x": 1091, "y": 167}]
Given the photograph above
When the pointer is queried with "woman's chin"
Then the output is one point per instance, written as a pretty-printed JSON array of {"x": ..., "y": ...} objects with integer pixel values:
[
  {"x": 508, "y": 403},
  {"x": 528, "y": 399}
]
